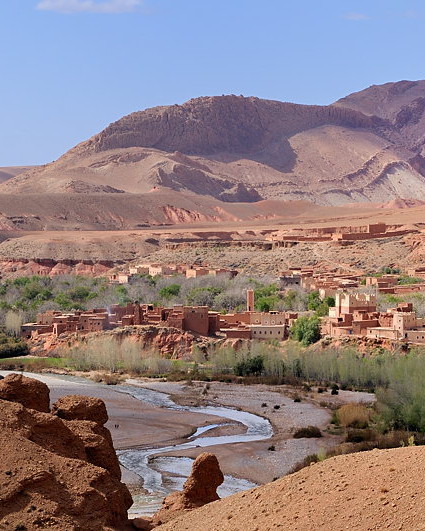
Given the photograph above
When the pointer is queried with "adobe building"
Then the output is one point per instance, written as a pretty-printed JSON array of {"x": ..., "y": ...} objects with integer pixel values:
[
  {"x": 140, "y": 269},
  {"x": 356, "y": 314},
  {"x": 281, "y": 238},
  {"x": 385, "y": 281},
  {"x": 56, "y": 323},
  {"x": 201, "y": 271},
  {"x": 256, "y": 325},
  {"x": 404, "y": 325},
  {"x": 250, "y": 302},
  {"x": 347, "y": 303},
  {"x": 164, "y": 270},
  {"x": 417, "y": 272},
  {"x": 352, "y": 315},
  {"x": 289, "y": 280},
  {"x": 194, "y": 319}
]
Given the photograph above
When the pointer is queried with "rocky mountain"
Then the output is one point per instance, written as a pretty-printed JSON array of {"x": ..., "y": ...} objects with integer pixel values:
[
  {"x": 402, "y": 104},
  {"x": 367, "y": 147}
]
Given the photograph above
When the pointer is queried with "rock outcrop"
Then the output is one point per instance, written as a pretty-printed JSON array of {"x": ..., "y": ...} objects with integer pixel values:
[
  {"x": 57, "y": 473},
  {"x": 199, "y": 489},
  {"x": 77, "y": 407},
  {"x": 85, "y": 417},
  {"x": 26, "y": 391}
]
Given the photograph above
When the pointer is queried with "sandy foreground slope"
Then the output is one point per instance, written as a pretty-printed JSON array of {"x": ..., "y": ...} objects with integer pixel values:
[{"x": 381, "y": 489}]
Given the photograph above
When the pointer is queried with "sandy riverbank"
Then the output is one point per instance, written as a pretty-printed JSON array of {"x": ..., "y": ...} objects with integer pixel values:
[{"x": 254, "y": 460}]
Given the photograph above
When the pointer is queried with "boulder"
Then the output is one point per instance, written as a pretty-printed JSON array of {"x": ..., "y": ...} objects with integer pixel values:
[
  {"x": 29, "y": 392},
  {"x": 78, "y": 407},
  {"x": 200, "y": 488}
]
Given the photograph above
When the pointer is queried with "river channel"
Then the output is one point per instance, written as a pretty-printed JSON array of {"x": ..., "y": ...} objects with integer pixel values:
[{"x": 161, "y": 474}]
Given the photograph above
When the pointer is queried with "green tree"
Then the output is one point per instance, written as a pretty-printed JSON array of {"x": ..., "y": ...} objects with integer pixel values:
[
  {"x": 266, "y": 304},
  {"x": 306, "y": 330},
  {"x": 313, "y": 300},
  {"x": 168, "y": 292},
  {"x": 251, "y": 366},
  {"x": 321, "y": 307}
]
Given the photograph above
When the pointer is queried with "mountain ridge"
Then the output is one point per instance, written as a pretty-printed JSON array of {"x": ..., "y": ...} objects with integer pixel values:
[{"x": 246, "y": 149}]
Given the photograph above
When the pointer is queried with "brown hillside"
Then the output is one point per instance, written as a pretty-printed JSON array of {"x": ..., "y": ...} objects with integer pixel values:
[
  {"x": 402, "y": 104},
  {"x": 236, "y": 149},
  {"x": 374, "y": 490},
  {"x": 72, "y": 211},
  {"x": 12, "y": 171}
]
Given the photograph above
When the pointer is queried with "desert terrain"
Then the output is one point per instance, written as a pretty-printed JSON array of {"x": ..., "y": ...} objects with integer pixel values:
[
  {"x": 224, "y": 168},
  {"x": 236, "y": 149},
  {"x": 371, "y": 490},
  {"x": 242, "y": 244},
  {"x": 62, "y": 471}
]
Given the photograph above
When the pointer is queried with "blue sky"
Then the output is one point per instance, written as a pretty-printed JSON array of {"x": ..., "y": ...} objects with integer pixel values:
[{"x": 70, "y": 67}]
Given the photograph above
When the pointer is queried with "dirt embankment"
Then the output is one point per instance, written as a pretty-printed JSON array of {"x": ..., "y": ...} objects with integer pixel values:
[
  {"x": 381, "y": 489},
  {"x": 169, "y": 342}
]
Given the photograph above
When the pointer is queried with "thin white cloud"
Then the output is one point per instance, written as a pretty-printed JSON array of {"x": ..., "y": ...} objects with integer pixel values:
[
  {"x": 413, "y": 14},
  {"x": 356, "y": 16},
  {"x": 89, "y": 6}
]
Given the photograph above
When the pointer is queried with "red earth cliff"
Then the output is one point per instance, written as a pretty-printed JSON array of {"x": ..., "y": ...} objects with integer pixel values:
[{"x": 55, "y": 473}]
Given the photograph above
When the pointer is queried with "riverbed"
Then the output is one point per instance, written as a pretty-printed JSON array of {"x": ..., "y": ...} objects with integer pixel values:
[
  {"x": 158, "y": 428},
  {"x": 162, "y": 475}
]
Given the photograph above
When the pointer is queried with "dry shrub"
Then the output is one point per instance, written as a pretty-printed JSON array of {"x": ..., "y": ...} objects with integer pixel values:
[
  {"x": 353, "y": 416},
  {"x": 367, "y": 440},
  {"x": 307, "y": 461},
  {"x": 108, "y": 379},
  {"x": 355, "y": 435},
  {"x": 309, "y": 431}
]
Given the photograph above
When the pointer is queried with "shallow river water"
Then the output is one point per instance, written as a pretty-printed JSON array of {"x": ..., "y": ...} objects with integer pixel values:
[{"x": 177, "y": 469}]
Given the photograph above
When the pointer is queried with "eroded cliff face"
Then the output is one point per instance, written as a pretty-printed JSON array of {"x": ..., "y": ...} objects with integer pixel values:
[
  {"x": 167, "y": 341},
  {"x": 232, "y": 124},
  {"x": 58, "y": 470},
  {"x": 49, "y": 267}
]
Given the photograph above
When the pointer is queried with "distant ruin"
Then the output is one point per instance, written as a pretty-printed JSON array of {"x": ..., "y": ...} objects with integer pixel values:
[{"x": 338, "y": 234}]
